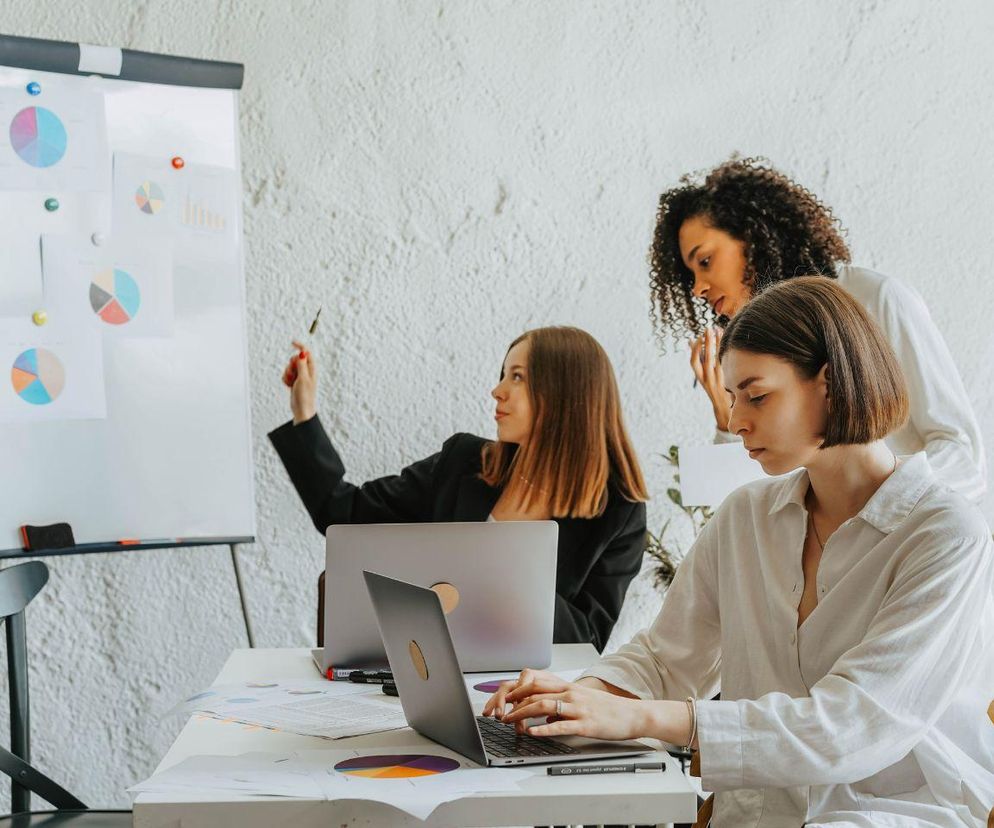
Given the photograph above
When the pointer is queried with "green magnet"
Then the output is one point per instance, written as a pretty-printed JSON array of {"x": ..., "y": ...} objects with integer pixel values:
[{"x": 51, "y": 204}]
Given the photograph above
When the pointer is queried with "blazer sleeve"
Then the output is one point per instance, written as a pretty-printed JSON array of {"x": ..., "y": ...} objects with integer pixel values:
[
  {"x": 318, "y": 475},
  {"x": 593, "y": 613}
]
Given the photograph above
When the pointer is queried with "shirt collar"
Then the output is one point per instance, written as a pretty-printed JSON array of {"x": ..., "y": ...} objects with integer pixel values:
[
  {"x": 889, "y": 506},
  {"x": 899, "y": 494}
]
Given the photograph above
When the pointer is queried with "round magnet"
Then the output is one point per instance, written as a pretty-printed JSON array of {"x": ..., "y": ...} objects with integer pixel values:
[
  {"x": 34, "y": 88},
  {"x": 97, "y": 239},
  {"x": 51, "y": 204},
  {"x": 178, "y": 163},
  {"x": 39, "y": 317}
]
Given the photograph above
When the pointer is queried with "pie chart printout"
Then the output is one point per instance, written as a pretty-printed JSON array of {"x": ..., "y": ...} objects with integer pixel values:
[
  {"x": 492, "y": 686},
  {"x": 38, "y": 376},
  {"x": 114, "y": 296},
  {"x": 404, "y": 766},
  {"x": 150, "y": 198},
  {"x": 38, "y": 136}
]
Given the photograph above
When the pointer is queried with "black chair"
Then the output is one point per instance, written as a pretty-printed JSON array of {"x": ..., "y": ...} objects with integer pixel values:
[{"x": 18, "y": 586}]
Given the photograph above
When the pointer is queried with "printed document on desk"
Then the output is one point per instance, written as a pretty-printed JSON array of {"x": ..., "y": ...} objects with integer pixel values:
[
  {"x": 316, "y": 774},
  {"x": 329, "y": 710}
]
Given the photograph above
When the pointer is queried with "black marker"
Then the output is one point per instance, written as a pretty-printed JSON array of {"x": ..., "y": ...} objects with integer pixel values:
[
  {"x": 582, "y": 770},
  {"x": 370, "y": 677}
]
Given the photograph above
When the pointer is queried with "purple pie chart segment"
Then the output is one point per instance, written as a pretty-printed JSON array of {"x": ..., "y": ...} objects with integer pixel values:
[
  {"x": 492, "y": 686},
  {"x": 396, "y": 766}
]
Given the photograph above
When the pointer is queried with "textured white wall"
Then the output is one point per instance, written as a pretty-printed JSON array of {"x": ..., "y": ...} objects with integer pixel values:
[{"x": 442, "y": 175}]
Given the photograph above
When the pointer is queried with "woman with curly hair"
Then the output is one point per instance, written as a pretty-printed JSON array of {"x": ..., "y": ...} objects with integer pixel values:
[{"x": 723, "y": 237}]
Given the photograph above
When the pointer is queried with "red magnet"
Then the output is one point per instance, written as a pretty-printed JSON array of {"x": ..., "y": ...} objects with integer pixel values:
[{"x": 178, "y": 163}]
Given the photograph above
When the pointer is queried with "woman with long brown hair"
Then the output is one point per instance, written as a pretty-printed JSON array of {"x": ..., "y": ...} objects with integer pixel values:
[{"x": 561, "y": 453}]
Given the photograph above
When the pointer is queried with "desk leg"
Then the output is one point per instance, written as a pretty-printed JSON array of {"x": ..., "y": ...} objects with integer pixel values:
[{"x": 241, "y": 594}]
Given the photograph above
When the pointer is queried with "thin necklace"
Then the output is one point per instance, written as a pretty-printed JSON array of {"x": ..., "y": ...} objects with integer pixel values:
[
  {"x": 811, "y": 515},
  {"x": 814, "y": 528}
]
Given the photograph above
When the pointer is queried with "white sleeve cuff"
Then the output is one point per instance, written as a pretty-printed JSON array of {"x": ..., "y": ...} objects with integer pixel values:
[{"x": 719, "y": 740}]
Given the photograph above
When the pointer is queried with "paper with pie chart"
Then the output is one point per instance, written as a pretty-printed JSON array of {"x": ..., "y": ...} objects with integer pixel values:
[
  {"x": 116, "y": 289},
  {"x": 195, "y": 207},
  {"x": 53, "y": 372},
  {"x": 24, "y": 221},
  {"x": 54, "y": 142}
]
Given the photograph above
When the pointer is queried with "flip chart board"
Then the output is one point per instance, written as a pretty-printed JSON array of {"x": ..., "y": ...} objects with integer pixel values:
[{"x": 124, "y": 397}]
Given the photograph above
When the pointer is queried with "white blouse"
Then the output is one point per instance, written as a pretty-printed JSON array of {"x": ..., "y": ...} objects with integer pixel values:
[
  {"x": 878, "y": 709},
  {"x": 942, "y": 422}
]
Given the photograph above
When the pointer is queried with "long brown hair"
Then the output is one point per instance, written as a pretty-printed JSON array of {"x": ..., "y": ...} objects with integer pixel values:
[{"x": 578, "y": 443}]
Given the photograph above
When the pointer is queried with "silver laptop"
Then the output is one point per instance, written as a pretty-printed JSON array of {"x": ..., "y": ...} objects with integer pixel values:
[
  {"x": 434, "y": 695},
  {"x": 497, "y": 582}
]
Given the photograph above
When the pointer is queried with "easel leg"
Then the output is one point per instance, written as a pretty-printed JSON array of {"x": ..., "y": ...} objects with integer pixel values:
[{"x": 241, "y": 594}]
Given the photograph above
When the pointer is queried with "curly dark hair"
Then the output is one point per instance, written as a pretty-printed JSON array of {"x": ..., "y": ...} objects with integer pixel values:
[{"x": 787, "y": 232}]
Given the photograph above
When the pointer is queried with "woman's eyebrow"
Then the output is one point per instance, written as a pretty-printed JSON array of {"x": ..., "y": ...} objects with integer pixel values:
[
  {"x": 747, "y": 382},
  {"x": 744, "y": 384}
]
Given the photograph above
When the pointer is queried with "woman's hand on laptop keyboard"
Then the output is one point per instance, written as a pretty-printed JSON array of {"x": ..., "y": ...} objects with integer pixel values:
[{"x": 570, "y": 708}]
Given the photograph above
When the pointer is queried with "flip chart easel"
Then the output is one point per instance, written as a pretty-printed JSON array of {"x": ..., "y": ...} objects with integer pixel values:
[{"x": 146, "y": 445}]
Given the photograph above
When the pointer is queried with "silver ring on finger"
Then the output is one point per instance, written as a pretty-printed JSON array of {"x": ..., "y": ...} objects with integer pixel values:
[{"x": 559, "y": 708}]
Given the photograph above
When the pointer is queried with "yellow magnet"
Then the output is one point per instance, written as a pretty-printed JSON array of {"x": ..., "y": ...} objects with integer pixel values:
[{"x": 39, "y": 317}]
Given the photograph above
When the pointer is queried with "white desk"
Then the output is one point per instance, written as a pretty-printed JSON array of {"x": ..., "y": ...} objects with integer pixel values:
[{"x": 616, "y": 798}]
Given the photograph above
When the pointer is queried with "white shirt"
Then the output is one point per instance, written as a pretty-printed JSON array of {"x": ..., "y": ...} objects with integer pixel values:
[
  {"x": 876, "y": 711},
  {"x": 941, "y": 421}
]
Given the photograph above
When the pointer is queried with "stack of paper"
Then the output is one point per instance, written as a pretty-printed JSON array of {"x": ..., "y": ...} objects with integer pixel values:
[{"x": 400, "y": 781}]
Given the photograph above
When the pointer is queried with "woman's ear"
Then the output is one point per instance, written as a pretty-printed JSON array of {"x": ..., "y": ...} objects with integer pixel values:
[{"x": 824, "y": 380}]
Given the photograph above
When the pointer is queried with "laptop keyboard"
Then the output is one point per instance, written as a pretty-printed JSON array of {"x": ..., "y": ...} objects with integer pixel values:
[{"x": 501, "y": 739}]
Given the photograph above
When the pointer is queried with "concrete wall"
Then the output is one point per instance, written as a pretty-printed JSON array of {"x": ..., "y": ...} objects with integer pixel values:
[{"x": 442, "y": 175}]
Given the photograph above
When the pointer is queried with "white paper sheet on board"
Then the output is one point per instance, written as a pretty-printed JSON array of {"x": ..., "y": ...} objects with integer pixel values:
[
  {"x": 23, "y": 221},
  {"x": 51, "y": 372},
  {"x": 195, "y": 206},
  {"x": 708, "y": 474},
  {"x": 54, "y": 142},
  {"x": 118, "y": 290}
]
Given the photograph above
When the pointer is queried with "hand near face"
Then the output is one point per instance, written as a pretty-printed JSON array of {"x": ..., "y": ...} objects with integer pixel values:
[
  {"x": 707, "y": 369},
  {"x": 300, "y": 376},
  {"x": 585, "y": 710}
]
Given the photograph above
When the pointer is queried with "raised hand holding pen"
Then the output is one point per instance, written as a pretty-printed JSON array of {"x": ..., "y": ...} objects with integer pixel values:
[
  {"x": 707, "y": 370},
  {"x": 300, "y": 376}
]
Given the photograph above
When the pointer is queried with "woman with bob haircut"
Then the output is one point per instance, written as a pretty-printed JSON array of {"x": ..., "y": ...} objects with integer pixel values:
[
  {"x": 723, "y": 237},
  {"x": 845, "y": 610},
  {"x": 562, "y": 453}
]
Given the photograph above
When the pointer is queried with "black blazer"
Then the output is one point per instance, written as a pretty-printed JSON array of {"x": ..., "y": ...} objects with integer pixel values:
[{"x": 598, "y": 557}]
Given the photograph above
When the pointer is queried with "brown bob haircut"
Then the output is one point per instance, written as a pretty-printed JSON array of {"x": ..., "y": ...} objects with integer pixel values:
[
  {"x": 811, "y": 322},
  {"x": 578, "y": 444}
]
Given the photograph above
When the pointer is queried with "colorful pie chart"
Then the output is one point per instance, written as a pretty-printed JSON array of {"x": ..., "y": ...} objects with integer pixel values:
[
  {"x": 403, "y": 766},
  {"x": 114, "y": 296},
  {"x": 492, "y": 686},
  {"x": 38, "y": 376},
  {"x": 150, "y": 198},
  {"x": 38, "y": 136}
]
